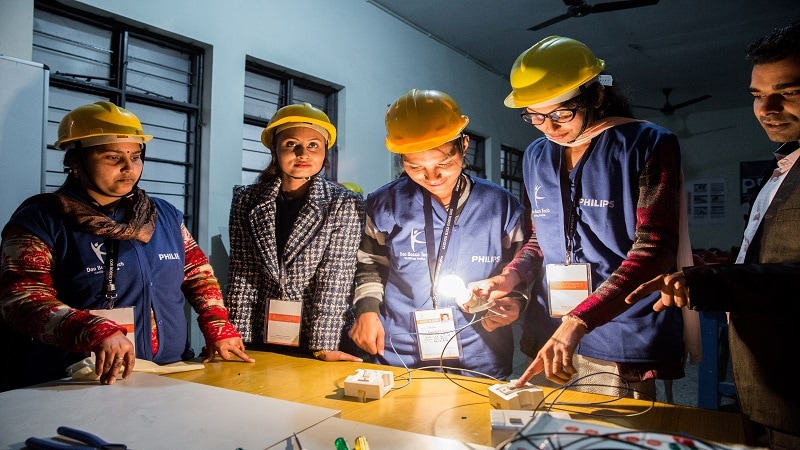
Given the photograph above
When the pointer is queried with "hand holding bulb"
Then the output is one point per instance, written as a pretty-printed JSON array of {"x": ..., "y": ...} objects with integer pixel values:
[{"x": 453, "y": 286}]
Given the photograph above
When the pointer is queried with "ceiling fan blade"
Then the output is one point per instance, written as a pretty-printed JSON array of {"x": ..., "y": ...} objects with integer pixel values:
[
  {"x": 714, "y": 130},
  {"x": 552, "y": 21},
  {"x": 646, "y": 107},
  {"x": 692, "y": 101},
  {"x": 616, "y": 6},
  {"x": 686, "y": 133}
]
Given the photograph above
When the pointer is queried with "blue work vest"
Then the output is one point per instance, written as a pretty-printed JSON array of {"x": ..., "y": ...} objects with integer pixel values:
[
  {"x": 475, "y": 252},
  {"x": 149, "y": 276},
  {"x": 604, "y": 234}
]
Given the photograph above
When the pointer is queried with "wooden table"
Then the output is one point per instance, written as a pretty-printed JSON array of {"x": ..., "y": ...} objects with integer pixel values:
[{"x": 431, "y": 404}]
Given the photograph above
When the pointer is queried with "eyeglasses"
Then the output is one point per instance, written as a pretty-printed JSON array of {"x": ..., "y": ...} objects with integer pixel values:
[{"x": 557, "y": 116}]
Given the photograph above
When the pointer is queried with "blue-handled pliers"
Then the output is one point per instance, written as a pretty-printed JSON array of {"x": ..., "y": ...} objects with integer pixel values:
[{"x": 92, "y": 442}]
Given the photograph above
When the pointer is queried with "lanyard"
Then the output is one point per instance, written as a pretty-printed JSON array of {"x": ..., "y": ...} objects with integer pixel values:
[
  {"x": 572, "y": 220},
  {"x": 282, "y": 276},
  {"x": 110, "y": 271},
  {"x": 435, "y": 263}
]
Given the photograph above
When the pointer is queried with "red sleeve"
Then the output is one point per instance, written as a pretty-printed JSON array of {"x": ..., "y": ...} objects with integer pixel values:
[
  {"x": 29, "y": 303},
  {"x": 655, "y": 244},
  {"x": 201, "y": 288}
]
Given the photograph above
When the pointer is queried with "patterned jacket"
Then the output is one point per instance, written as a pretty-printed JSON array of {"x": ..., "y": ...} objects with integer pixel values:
[{"x": 319, "y": 257}]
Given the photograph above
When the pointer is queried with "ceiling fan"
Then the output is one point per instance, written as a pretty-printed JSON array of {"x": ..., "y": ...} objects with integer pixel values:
[
  {"x": 668, "y": 109},
  {"x": 579, "y": 8},
  {"x": 686, "y": 133}
]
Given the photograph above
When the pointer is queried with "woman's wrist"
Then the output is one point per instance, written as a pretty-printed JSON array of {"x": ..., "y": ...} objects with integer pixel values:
[{"x": 576, "y": 319}]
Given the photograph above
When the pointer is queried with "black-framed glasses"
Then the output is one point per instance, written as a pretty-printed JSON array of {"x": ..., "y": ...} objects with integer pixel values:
[{"x": 558, "y": 116}]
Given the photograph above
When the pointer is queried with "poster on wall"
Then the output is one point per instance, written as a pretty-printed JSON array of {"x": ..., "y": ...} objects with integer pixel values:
[
  {"x": 706, "y": 201},
  {"x": 750, "y": 175}
]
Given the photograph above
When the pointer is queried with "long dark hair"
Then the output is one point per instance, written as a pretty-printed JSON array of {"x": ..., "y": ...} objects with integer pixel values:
[
  {"x": 273, "y": 169},
  {"x": 615, "y": 103},
  {"x": 72, "y": 156}
]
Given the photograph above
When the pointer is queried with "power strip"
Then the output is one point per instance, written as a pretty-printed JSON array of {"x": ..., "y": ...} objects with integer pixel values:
[
  {"x": 507, "y": 396},
  {"x": 506, "y": 423},
  {"x": 367, "y": 383}
]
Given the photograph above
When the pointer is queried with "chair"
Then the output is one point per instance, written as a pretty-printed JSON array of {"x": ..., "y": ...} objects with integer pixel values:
[{"x": 711, "y": 378}]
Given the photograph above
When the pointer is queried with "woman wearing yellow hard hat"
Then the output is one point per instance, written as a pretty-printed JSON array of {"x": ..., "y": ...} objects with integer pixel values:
[
  {"x": 294, "y": 237},
  {"x": 434, "y": 222},
  {"x": 99, "y": 266},
  {"x": 605, "y": 192}
]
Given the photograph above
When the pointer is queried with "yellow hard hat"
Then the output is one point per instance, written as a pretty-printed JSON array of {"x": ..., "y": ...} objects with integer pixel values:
[
  {"x": 353, "y": 187},
  {"x": 421, "y": 120},
  {"x": 551, "y": 72},
  {"x": 99, "y": 123},
  {"x": 301, "y": 114}
]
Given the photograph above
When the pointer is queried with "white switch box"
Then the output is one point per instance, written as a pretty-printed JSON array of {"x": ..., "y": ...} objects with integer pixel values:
[
  {"x": 367, "y": 383},
  {"x": 506, "y": 396}
]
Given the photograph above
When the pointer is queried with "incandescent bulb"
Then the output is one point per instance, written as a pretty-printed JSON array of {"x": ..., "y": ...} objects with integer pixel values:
[{"x": 453, "y": 286}]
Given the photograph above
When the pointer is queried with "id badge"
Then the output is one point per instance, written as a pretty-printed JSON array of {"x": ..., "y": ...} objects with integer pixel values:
[
  {"x": 283, "y": 322},
  {"x": 567, "y": 285},
  {"x": 435, "y": 328},
  {"x": 122, "y": 317}
]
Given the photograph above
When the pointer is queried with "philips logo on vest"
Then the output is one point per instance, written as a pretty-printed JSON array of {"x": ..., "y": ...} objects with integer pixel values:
[
  {"x": 538, "y": 211},
  {"x": 596, "y": 203},
  {"x": 168, "y": 256},
  {"x": 488, "y": 259}
]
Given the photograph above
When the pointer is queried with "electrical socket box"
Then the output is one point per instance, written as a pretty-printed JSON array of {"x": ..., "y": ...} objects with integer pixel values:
[
  {"x": 506, "y": 423},
  {"x": 367, "y": 383},
  {"x": 507, "y": 396}
]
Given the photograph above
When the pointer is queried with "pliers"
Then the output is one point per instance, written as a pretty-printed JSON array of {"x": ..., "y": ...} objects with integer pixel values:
[{"x": 93, "y": 442}]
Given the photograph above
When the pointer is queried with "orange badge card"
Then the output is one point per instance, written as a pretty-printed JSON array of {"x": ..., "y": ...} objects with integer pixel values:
[{"x": 567, "y": 285}]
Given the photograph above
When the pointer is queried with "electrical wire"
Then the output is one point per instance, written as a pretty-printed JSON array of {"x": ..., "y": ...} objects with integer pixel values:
[
  {"x": 442, "y": 368},
  {"x": 558, "y": 440}
]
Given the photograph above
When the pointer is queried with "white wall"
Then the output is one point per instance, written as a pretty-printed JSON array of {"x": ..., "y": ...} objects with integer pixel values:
[
  {"x": 376, "y": 58},
  {"x": 722, "y": 139},
  {"x": 350, "y": 43},
  {"x": 347, "y": 42}
]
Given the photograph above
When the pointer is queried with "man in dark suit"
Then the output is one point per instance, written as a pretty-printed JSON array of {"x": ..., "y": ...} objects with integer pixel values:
[{"x": 761, "y": 291}]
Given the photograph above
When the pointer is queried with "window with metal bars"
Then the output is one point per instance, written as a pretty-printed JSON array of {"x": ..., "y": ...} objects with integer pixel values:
[
  {"x": 156, "y": 78},
  {"x": 476, "y": 156},
  {"x": 265, "y": 91},
  {"x": 511, "y": 170}
]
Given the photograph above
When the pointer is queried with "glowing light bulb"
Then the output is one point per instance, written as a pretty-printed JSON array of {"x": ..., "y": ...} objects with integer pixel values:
[{"x": 453, "y": 286}]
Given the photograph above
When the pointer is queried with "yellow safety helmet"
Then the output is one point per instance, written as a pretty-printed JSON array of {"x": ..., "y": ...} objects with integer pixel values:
[
  {"x": 353, "y": 187},
  {"x": 300, "y": 114},
  {"x": 99, "y": 123},
  {"x": 551, "y": 72},
  {"x": 421, "y": 120}
]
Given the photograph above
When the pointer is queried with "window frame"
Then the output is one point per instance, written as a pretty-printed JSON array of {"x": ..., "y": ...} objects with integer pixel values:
[
  {"x": 290, "y": 87},
  {"x": 118, "y": 91},
  {"x": 511, "y": 178}
]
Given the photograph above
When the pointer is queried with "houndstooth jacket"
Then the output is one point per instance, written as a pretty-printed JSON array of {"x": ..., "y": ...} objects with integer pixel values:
[{"x": 320, "y": 258}]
